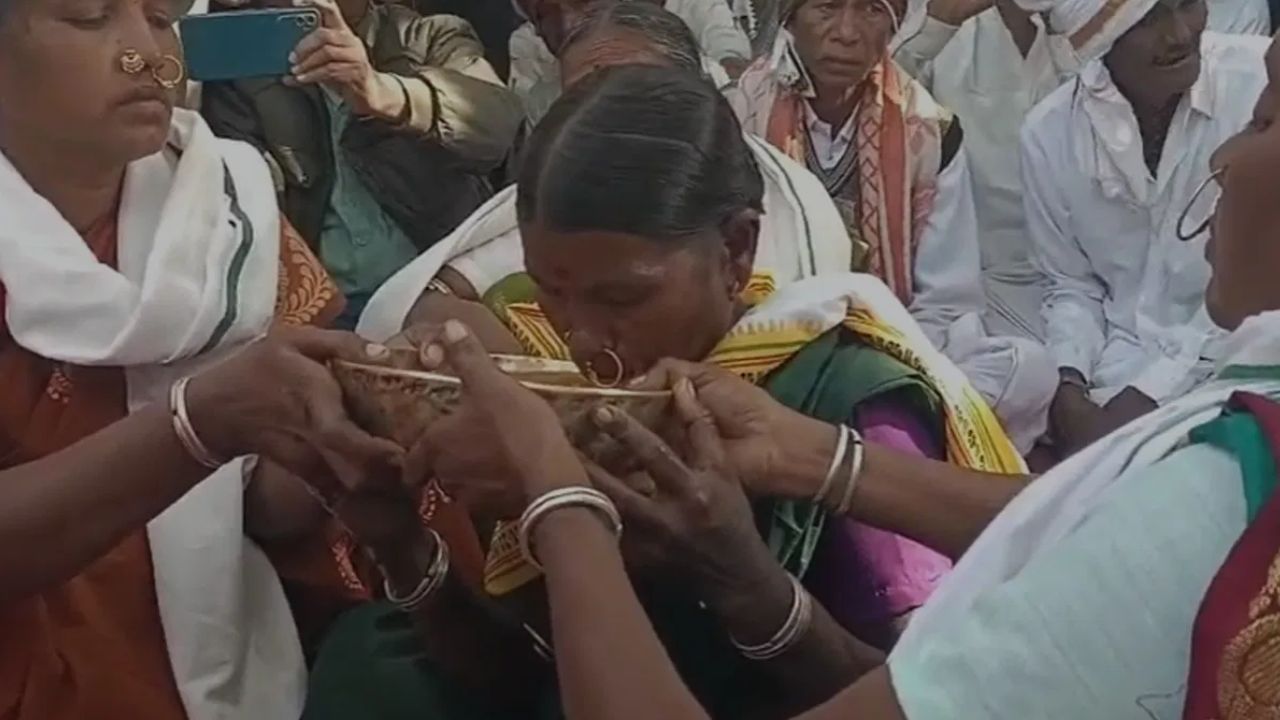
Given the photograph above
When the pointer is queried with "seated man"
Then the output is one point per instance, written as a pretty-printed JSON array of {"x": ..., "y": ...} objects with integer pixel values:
[
  {"x": 1109, "y": 162},
  {"x": 830, "y": 96},
  {"x": 535, "y": 71},
  {"x": 800, "y": 231},
  {"x": 384, "y": 104}
]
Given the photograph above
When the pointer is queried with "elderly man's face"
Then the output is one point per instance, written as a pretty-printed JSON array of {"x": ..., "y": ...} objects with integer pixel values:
[
  {"x": 839, "y": 41},
  {"x": 1159, "y": 58}
]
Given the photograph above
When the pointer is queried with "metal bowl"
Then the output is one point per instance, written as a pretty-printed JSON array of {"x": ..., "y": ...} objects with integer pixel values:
[{"x": 399, "y": 401}]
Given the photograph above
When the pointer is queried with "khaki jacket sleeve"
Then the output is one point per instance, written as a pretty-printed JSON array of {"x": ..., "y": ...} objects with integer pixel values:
[{"x": 454, "y": 95}]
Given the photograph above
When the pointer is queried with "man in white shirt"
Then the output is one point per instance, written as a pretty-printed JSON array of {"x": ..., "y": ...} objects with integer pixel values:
[
  {"x": 1109, "y": 162},
  {"x": 535, "y": 71},
  {"x": 990, "y": 64}
]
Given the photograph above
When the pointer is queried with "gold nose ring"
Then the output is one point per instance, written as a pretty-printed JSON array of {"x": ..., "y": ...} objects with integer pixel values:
[
  {"x": 170, "y": 73},
  {"x": 620, "y": 371},
  {"x": 132, "y": 62}
]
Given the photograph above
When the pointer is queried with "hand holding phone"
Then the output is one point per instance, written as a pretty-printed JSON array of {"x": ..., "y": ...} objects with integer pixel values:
[{"x": 337, "y": 58}]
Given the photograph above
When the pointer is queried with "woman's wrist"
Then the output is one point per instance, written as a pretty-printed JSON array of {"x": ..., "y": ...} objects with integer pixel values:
[
  {"x": 404, "y": 563},
  {"x": 753, "y": 605},
  {"x": 807, "y": 448}
]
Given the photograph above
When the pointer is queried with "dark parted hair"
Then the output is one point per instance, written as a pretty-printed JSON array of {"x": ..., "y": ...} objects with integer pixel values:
[
  {"x": 639, "y": 149},
  {"x": 668, "y": 34}
]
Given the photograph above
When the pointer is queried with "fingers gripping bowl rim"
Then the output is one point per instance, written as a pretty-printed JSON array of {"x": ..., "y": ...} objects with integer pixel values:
[{"x": 400, "y": 402}]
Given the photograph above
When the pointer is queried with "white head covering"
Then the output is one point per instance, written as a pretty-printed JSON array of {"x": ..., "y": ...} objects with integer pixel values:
[
  {"x": 1091, "y": 26},
  {"x": 908, "y": 26}
]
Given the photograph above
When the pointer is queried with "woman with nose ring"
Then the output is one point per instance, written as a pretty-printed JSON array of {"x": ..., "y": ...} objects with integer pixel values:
[
  {"x": 639, "y": 222},
  {"x": 165, "y": 410}
]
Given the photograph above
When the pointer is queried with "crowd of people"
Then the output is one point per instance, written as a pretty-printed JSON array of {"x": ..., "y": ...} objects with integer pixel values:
[{"x": 965, "y": 307}]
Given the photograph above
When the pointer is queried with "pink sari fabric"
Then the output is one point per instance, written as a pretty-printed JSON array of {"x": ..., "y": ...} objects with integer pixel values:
[{"x": 865, "y": 577}]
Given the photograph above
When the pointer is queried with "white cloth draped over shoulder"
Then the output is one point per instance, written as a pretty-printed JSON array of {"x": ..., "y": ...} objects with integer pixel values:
[
  {"x": 800, "y": 234},
  {"x": 1124, "y": 298},
  {"x": 1083, "y": 590},
  {"x": 198, "y": 269}
]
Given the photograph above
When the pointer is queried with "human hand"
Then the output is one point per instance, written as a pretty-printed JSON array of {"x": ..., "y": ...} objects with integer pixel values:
[
  {"x": 1074, "y": 419},
  {"x": 504, "y": 445},
  {"x": 956, "y": 12},
  {"x": 333, "y": 56},
  {"x": 1126, "y": 407},
  {"x": 697, "y": 521},
  {"x": 277, "y": 399},
  {"x": 761, "y": 437}
]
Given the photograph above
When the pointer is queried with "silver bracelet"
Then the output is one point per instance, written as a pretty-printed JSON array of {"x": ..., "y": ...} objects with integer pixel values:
[
  {"x": 577, "y": 496},
  {"x": 794, "y": 628},
  {"x": 185, "y": 431},
  {"x": 430, "y": 583},
  {"x": 855, "y": 473},
  {"x": 440, "y": 286},
  {"x": 842, "y": 447}
]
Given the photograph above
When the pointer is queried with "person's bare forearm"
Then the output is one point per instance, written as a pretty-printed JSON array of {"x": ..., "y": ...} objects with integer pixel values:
[
  {"x": 823, "y": 660},
  {"x": 462, "y": 634},
  {"x": 610, "y": 662},
  {"x": 939, "y": 505},
  {"x": 62, "y": 512}
]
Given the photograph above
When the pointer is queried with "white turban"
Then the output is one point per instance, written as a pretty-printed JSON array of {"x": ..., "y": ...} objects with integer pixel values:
[
  {"x": 1091, "y": 26},
  {"x": 908, "y": 26}
]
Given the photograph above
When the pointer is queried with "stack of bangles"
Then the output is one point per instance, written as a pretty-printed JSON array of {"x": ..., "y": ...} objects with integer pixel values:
[
  {"x": 577, "y": 496},
  {"x": 793, "y": 628},
  {"x": 846, "y": 465},
  {"x": 432, "y": 581},
  {"x": 186, "y": 432}
]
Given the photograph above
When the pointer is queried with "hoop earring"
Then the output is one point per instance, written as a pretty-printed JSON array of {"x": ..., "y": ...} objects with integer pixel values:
[
  {"x": 620, "y": 371},
  {"x": 178, "y": 74},
  {"x": 132, "y": 62}
]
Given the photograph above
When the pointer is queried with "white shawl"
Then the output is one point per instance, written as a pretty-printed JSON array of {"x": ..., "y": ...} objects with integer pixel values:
[
  {"x": 198, "y": 268},
  {"x": 1054, "y": 505},
  {"x": 801, "y": 233}
]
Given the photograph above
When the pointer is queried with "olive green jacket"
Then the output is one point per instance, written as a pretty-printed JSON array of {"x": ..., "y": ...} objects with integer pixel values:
[{"x": 429, "y": 172}]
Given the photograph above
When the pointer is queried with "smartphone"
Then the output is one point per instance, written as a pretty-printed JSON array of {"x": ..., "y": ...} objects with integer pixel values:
[{"x": 239, "y": 44}]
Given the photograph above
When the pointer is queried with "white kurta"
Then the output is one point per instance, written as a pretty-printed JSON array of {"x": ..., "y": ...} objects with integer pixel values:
[
  {"x": 535, "y": 71},
  {"x": 1249, "y": 17},
  {"x": 1124, "y": 300},
  {"x": 978, "y": 73}
]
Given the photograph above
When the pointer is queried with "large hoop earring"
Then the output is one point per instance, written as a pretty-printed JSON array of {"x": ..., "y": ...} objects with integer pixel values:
[
  {"x": 620, "y": 371},
  {"x": 176, "y": 75},
  {"x": 1181, "y": 228},
  {"x": 132, "y": 62}
]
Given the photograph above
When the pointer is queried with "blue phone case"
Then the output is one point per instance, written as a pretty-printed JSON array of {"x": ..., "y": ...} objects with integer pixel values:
[{"x": 244, "y": 43}]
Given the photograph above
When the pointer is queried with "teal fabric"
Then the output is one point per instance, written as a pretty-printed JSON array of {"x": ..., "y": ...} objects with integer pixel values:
[
  {"x": 1240, "y": 434},
  {"x": 360, "y": 245},
  {"x": 371, "y": 667},
  {"x": 828, "y": 380}
]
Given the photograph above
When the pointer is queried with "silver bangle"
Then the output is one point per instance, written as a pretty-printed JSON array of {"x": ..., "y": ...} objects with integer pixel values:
[
  {"x": 837, "y": 459},
  {"x": 577, "y": 496},
  {"x": 795, "y": 626},
  {"x": 440, "y": 286},
  {"x": 430, "y": 583},
  {"x": 185, "y": 431},
  {"x": 855, "y": 472}
]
